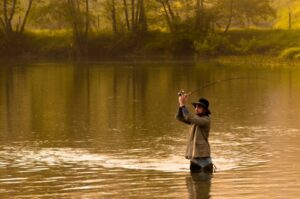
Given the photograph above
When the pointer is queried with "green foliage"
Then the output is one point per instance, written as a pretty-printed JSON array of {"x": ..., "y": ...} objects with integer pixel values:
[
  {"x": 245, "y": 13},
  {"x": 130, "y": 27},
  {"x": 108, "y": 45},
  {"x": 248, "y": 46},
  {"x": 41, "y": 44},
  {"x": 297, "y": 57},
  {"x": 255, "y": 41},
  {"x": 290, "y": 53},
  {"x": 214, "y": 44},
  {"x": 50, "y": 15},
  {"x": 251, "y": 41},
  {"x": 181, "y": 44},
  {"x": 157, "y": 44},
  {"x": 58, "y": 45}
]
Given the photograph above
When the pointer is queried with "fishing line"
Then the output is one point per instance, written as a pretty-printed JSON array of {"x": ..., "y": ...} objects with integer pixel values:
[{"x": 182, "y": 92}]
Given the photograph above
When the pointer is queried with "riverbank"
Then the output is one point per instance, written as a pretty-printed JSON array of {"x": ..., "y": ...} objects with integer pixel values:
[{"x": 105, "y": 46}]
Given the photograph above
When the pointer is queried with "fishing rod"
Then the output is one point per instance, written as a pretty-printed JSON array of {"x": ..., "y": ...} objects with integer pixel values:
[{"x": 182, "y": 92}]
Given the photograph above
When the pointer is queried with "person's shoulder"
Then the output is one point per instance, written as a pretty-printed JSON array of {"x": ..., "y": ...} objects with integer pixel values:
[{"x": 207, "y": 117}]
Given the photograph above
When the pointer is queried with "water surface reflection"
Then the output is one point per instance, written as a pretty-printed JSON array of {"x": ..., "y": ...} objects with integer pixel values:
[{"x": 108, "y": 130}]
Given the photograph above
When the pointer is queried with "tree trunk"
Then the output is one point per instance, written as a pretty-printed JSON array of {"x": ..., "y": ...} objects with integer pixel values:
[
  {"x": 167, "y": 16},
  {"x": 2, "y": 24},
  {"x": 126, "y": 15},
  {"x": 75, "y": 26},
  {"x": 132, "y": 14},
  {"x": 230, "y": 17},
  {"x": 137, "y": 10},
  {"x": 77, "y": 6},
  {"x": 198, "y": 5},
  {"x": 170, "y": 10},
  {"x": 202, "y": 5},
  {"x": 5, "y": 12},
  {"x": 12, "y": 12},
  {"x": 73, "y": 15},
  {"x": 113, "y": 16},
  {"x": 87, "y": 18},
  {"x": 138, "y": 19},
  {"x": 198, "y": 15},
  {"x": 26, "y": 16},
  {"x": 290, "y": 20},
  {"x": 142, "y": 17},
  {"x": 7, "y": 21}
]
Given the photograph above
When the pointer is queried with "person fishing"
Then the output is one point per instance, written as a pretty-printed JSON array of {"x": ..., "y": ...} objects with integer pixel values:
[{"x": 198, "y": 147}]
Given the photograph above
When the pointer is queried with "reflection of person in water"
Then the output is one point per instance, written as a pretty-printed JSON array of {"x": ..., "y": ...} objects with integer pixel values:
[
  {"x": 198, "y": 185},
  {"x": 198, "y": 147}
]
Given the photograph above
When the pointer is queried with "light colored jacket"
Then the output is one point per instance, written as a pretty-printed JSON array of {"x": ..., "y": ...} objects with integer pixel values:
[{"x": 197, "y": 142}]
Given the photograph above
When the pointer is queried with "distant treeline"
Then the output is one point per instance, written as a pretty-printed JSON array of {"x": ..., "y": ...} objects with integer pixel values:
[
  {"x": 106, "y": 28},
  {"x": 279, "y": 43}
]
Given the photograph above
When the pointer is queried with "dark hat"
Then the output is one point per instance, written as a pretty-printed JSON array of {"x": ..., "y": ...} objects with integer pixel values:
[{"x": 202, "y": 102}]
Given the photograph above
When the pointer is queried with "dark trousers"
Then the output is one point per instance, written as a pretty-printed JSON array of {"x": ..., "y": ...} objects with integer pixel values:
[{"x": 196, "y": 168}]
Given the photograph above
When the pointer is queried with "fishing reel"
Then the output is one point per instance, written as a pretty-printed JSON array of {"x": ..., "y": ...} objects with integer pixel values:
[{"x": 180, "y": 93}]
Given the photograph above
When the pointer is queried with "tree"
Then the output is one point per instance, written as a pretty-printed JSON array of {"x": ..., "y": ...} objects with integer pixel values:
[
  {"x": 242, "y": 13},
  {"x": 225, "y": 11},
  {"x": 254, "y": 11},
  {"x": 141, "y": 19},
  {"x": 113, "y": 15},
  {"x": 78, "y": 14},
  {"x": 200, "y": 15},
  {"x": 134, "y": 17},
  {"x": 230, "y": 15},
  {"x": 169, "y": 14},
  {"x": 138, "y": 21},
  {"x": 126, "y": 15},
  {"x": 9, "y": 9},
  {"x": 50, "y": 15},
  {"x": 192, "y": 16}
]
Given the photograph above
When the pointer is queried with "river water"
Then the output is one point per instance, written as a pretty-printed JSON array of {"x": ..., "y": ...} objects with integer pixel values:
[{"x": 107, "y": 130}]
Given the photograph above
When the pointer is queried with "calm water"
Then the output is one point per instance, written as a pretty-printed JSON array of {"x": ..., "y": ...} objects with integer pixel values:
[{"x": 107, "y": 130}]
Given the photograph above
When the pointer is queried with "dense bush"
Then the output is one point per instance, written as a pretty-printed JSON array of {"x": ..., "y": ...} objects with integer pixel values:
[
  {"x": 297, "y": 57},
  {"x": 290, "y": 53},
  {"x": 215, "y": 44},
  {"x": 60, "y": 44}
]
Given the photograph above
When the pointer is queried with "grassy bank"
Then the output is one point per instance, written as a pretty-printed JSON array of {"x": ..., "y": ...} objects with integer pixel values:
[
  {"x": 270, "y": 42},
  {"x": 280, "y": 43}
]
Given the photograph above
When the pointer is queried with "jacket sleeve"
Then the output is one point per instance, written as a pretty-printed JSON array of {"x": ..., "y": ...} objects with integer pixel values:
[
  {"x": 193, "y": 118},
  {"x": 180, "y": 115}
]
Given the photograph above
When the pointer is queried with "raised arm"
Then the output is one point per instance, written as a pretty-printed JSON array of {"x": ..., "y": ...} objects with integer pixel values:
[
  {"x": 181, "y": 115},
  {"x": 185, "y": 116}
]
